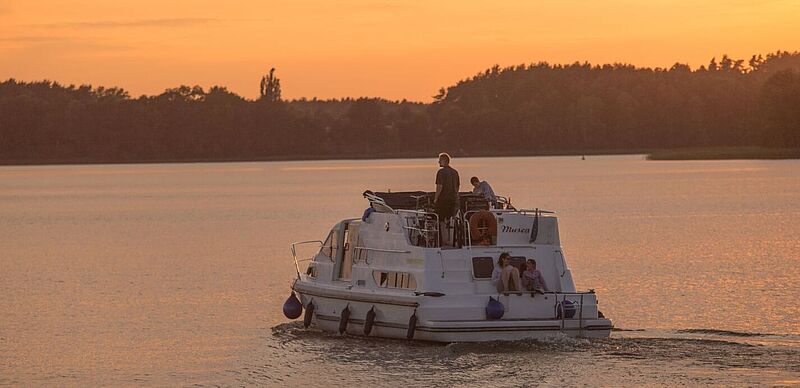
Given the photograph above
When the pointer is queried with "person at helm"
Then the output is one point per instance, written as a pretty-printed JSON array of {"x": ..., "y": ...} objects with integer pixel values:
[{"x": 483, "y": 189}]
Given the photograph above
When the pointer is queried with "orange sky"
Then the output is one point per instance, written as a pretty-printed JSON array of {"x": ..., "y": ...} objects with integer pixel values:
[{"x": 392, "y": 49}]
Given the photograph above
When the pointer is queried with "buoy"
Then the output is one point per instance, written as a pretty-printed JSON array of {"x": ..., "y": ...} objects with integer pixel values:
[
  {"x": 344, "y": 319},
  {"x": 412, "y": 325},
  {"x": 292, "y": 308},
  {"x": 565, "y": 308},
  {"x": 309, "y": 314},
  {"x": 569, "y": 308},
  {"x": 494, "y": 309},
  {"x": 369, "y": 321}
]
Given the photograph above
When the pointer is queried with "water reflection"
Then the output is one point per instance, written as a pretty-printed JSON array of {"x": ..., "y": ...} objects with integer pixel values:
[{"x": 175, "y": 274}]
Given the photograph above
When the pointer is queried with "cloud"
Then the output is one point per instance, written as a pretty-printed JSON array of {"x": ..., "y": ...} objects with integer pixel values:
[
  {"x": 65, "y": 44},
  {"x": 139, "y": 23},
  {"x": 30, "y": 39}
]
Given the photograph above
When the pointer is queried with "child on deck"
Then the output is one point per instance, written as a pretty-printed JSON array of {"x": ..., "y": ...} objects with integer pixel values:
[
  {"x": 505, "y": 276},
  {"x": 532, "y": 278}
]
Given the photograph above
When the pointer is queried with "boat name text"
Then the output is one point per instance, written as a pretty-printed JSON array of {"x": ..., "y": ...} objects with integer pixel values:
[{"x": 509, "y": 229}]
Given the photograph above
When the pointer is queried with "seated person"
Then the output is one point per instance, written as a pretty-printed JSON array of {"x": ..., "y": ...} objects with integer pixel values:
[
  {"x": 532, "y": 278},
  {"x": 483, "y": 189},
  {"x": 505, "y": 276}
]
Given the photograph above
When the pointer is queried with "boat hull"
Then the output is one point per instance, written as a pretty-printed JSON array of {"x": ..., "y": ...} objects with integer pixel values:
[{"x": 392, "y": 318}]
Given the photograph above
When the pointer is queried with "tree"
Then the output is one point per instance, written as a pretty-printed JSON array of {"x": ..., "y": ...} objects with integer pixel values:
[
  {"x": 780, "y": 108},
  {"x": 270, "y": 87}
]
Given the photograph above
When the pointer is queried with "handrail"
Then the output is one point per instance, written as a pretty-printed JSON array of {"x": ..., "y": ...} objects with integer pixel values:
[
  {"x": 580, "y": 317},
  {"x": 380, "y": 250},
  {"x": 563, "y": 262},
  {"x": 524, "y": 211},
  {"x": 294, "y": 252},
  {"x": 380, "y": 202},
  {"x": 576, "y": 293},
  {"x": 417, "y": 214}
]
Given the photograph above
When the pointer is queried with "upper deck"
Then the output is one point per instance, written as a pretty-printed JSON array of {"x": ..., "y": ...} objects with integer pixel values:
[{"x": 478, "y": 221}]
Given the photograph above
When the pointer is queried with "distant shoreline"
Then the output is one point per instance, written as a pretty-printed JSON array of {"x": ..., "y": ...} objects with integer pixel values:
[
  {"x": 301, "y": 158},
  {"x": 711, "y": 153},
  {"x": 726, "y": 153}
]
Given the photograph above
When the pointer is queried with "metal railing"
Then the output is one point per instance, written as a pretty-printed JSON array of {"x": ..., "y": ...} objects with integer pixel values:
[
  {"x": 294, "y": 252},
  {"x": 378, "y": 203},
  {"x": 425, "y": 224},
  {"x": 559, "y": 304}
]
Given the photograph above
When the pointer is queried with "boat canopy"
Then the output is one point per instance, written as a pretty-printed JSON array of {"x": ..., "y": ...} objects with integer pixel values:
[{"x": 415, "y": 200}]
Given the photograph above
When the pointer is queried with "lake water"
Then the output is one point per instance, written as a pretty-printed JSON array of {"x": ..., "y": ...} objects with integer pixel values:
[{"x": 175, "y": 274}]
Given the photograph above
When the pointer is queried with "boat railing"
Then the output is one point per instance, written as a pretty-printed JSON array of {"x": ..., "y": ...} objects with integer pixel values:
[
  {"x": 422, "y": 227},
  {"x": 560, "y": 305},
  {"x": 378, "y": 203},
  {"x": 294, "y": 252}
]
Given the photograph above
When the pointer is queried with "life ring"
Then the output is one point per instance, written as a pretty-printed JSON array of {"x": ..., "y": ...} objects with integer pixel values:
[{"x": 482, "y": 227}]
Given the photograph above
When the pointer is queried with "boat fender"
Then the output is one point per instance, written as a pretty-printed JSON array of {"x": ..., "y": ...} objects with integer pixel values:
[
  {"x": 369, "y": 321},
  {"x": 494, "y": 309},
  {"x": 292, "y": 308},
  {"x": 565, "y": 308},
  {"x": 309, "y": 314},
  {"x": 412, "y": 325},
  {"x": 367, "y": 212},
  {"x": 345, "y": 318}
]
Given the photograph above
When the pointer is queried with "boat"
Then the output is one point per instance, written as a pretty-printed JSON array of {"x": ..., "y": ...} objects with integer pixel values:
[{"x": 400, "y": 272}]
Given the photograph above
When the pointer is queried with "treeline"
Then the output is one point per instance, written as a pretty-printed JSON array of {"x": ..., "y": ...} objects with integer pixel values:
[{"x": 526, "y": 109}]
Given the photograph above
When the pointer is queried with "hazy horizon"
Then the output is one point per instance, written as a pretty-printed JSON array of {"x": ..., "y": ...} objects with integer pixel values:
[{"x": 382, "y": 49}]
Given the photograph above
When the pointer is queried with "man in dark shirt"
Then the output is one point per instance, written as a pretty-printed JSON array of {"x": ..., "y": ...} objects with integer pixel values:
[{"x": 446, "y": 198}]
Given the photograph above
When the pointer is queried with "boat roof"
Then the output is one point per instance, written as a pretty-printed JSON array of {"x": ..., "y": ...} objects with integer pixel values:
[
  {"x": 417, "y": 200},
  {"x": 413, "y": 200}
]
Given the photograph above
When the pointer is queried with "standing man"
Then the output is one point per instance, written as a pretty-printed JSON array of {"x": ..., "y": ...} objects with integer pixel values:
[{"x": 446, "y": 198}]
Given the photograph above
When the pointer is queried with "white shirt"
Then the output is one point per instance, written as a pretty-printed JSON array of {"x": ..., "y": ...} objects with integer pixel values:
[
  {"x": 485, "y": 190},
  {"x": 496, "y": 274}
]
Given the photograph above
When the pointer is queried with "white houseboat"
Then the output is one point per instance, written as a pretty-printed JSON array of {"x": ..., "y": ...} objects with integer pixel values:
[{"x": 387, "y": 274}]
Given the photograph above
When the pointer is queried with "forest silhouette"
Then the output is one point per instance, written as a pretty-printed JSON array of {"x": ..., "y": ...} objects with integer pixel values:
[{"x": 536, "y": 109}]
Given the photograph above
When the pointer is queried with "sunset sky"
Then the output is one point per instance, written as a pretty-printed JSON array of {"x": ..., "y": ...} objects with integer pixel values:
[{"x": 392, "y": 49}]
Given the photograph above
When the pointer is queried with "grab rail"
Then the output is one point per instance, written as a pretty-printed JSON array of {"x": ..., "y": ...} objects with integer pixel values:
[
  {"x": 563, "y": 262},
  {"x": 380, "y": 250},
  {"x": 420, "y": 217},
  {"x": 378, "y": 203},
  {"x": 294, "y": 252},
  {"x": 560, "y": 305}
]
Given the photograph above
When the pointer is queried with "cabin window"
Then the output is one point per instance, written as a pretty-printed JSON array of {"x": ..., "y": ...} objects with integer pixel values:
[
  {"x": 391, "y": 279},
  {"x": 482, "y": 267},
  {"x": 519, "y": 262},
  {"x": 311, "y": 271}
]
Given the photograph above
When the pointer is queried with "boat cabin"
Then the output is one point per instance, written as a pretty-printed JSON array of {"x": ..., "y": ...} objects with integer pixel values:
[{"x": 397, "y": 244}]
